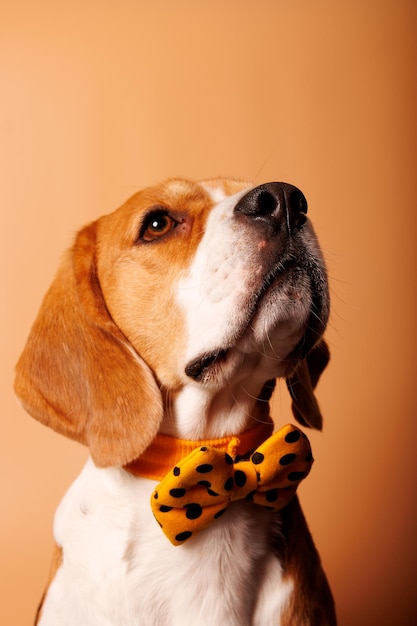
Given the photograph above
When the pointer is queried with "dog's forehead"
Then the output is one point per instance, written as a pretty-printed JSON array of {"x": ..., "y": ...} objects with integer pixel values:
[
  {"x": 186, "y": 194},
  {"x": 194, "y": 199},
  {"x": 173, "y": 194},
  {"x": 220, "y": 188}
]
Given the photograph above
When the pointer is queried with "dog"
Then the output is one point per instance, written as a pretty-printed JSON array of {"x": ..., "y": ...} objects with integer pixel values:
[{"x": 161, "y": 337}]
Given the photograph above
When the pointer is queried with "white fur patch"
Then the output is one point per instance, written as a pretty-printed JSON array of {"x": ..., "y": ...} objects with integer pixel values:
[
  {"x": 216, "y": 193},
  {"x": 217, "y": 279},
  {"x": 120, "y": 570},
  {"x": 274, "y": 595}
]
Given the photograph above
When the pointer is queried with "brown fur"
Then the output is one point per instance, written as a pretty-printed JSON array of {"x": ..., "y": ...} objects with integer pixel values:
[
  {"x": 311, "y": 603},
  {"x": 63, "y": 379}
]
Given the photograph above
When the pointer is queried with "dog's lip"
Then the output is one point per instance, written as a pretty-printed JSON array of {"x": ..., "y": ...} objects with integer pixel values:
[{"x": 198, "y": 367}]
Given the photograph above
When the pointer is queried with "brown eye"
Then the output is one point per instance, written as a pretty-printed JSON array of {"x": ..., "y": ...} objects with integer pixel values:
[{"x": 156, "y": 225}]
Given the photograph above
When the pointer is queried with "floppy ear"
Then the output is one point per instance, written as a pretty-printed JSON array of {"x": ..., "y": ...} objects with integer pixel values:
[
  {"x": 301, "y": 385},
  {"x": 78, "y": 373}
]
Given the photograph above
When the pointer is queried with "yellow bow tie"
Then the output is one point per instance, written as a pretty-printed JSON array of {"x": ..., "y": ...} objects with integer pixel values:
[{"x": 200, "y": 487}]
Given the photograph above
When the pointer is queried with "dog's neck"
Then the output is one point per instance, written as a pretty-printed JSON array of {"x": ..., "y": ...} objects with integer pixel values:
[
  {"x": 165, "y": 451},
  {"x": 197, "y": 413}
]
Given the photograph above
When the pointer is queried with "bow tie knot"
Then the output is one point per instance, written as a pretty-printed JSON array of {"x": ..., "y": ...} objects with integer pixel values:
[{"x": 201, "y": 486}]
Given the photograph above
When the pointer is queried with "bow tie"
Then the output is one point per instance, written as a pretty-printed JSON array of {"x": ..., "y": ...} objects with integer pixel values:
[{"x": 201, "y": 486}]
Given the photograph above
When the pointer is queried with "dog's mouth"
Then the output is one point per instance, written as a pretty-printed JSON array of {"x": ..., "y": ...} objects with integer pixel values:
[{"x": 198, "y": 368}]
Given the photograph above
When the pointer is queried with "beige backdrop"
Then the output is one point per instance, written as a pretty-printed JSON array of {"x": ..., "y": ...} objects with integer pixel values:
[{"x": 100, "y": 97}]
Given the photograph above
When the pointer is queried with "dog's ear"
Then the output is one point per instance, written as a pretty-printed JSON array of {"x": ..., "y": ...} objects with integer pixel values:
[
  {"x": 78, "y": 373},
  {"x": 301, "y": 385}
]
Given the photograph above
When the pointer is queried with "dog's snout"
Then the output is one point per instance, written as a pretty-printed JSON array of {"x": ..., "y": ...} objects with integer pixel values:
[{"x": 280, "y": 204}]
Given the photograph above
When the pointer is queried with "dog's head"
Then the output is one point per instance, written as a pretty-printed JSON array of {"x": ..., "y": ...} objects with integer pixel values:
[{"x": 205, "y": 285}]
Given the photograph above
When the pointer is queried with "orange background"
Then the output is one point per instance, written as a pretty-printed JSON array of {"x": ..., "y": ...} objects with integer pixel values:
[{"x": 99, "y": 98}]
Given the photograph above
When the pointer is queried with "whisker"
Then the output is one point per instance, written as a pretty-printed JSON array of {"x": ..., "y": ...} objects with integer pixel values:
[{"x": 263, "y": 164}]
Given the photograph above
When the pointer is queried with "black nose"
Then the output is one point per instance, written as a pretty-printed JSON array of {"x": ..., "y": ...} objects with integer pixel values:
[{"x": 276, "y": 203}]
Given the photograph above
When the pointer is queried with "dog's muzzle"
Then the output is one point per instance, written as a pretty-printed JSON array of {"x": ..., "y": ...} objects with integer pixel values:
[{"x": 271, "y": 220}]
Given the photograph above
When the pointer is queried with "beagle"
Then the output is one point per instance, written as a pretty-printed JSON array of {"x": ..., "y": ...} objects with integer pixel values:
[{"x": 163, "y": 332}]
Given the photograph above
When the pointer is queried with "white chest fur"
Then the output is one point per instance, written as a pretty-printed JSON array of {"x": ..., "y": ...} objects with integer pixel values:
[{"x": 120, "y": 570}]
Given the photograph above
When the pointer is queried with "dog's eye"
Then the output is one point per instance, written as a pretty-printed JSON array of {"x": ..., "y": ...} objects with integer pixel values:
[{"x": 156, "y": 225}]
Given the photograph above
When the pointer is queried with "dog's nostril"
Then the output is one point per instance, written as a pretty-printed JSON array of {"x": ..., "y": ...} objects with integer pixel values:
[
  {"x": 297, "y": 207},
  {"x": 296, "y": 201},
  {"x": 266, "y": 203}
]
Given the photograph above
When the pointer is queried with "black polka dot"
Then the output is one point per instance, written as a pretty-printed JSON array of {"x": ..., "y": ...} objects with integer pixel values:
[
  {"x": 271, "y": 495},
  {"x": 203, "y": 449},
  {"x": 165, "y": 509},
  {"x": 176, "y": 471},
  {"x": 204, "y": 483},
  {"x": 177, "y": 493},
  {"x": 240, "y": 478},
  {"x": 204, "y": 468},
  {"x": 228, "y": 459},
  {"x": 211, "y": 492},
  {"x": 228, "y": 485},
  {"x": 183, "y": 536},
  {"x": 295, "y": 476},
  {"x": 257, "y": 458},
  {"x": 287, "y": 459},
  {"x": 194, "y": 511},
  {"x": 293, "y": 436},
  {"x": 219, "y": 513},
  {"x": 309, "y": 458},
  {"x": 251, "y": 495},
  {"x": 155, "y": 495}
]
